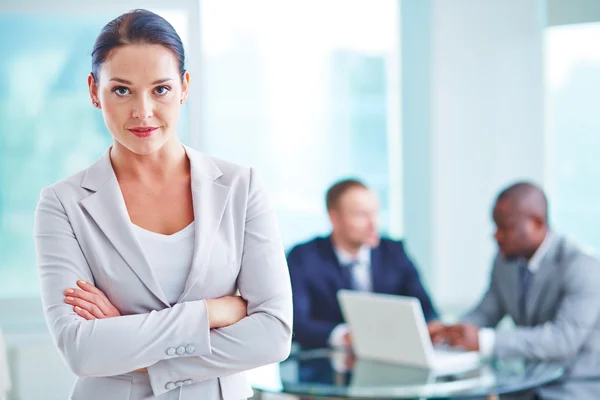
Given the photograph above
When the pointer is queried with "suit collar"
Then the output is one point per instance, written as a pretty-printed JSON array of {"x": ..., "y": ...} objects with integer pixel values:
[
  {"x": 345, "y": 258},
  {"x": 107, "y": 207},
  {"x": 325, "y": 246},
  {"x": 202, "y": 166},
  {"x": 328, "y": 253},
  {"x": 534, "y": 263},
  {"x": 98, "y": 173},
  {"x": 101, "y": 171},
  {"x": 546, "y": 272}
]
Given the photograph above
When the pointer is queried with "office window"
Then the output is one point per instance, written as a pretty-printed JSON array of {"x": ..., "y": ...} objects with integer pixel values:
[
  {"x": 48, "y": 130},
  {"x": 48, "y": 127},
  {"x": 573, "y": 121},
  {"x": 302, "y": 96}
]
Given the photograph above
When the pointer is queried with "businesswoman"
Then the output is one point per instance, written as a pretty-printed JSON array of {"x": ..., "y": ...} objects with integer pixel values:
[{"x": 140, "y": 255}]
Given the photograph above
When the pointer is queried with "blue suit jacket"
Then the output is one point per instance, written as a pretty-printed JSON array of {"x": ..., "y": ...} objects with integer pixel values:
[{"x": 316, "y": 278}]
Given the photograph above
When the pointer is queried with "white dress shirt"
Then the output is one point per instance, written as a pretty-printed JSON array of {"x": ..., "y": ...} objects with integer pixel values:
[
  {"x": 487, "y": 336},
  {"x": 361, "y": 273}
]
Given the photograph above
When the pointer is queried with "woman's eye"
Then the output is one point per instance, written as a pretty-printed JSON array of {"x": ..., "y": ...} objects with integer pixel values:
[
  {"x": 162, "y": 90},
  {"x": 121, "y": 91}
]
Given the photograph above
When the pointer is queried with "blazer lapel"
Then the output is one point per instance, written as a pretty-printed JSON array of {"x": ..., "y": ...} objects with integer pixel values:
[
  {"x": 377, "y": 276},
  {"x": 107, "y": 207},
  {"x": 541, "y": 279},
  {"x": 339, "y": 278},
  {"x": 509, "y": 286},
  {"x": 210, "y": 199}
]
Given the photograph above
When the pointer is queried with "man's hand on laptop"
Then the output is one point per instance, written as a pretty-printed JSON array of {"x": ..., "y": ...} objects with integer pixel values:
[
  {"x": 437, "y": 331},
  {"x": 347, "y": 340},
  {"x": 464, "y": 335},
  {"x": 342, "y": 361}
]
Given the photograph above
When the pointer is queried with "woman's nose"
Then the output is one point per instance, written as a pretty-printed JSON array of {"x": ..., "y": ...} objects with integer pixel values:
[{"x": 142, "y": 108}]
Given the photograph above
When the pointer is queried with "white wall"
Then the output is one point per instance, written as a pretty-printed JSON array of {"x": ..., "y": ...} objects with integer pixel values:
[{"x": 472, "y": 122}]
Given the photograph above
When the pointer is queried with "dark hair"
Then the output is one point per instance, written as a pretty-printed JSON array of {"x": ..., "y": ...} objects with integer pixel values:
[
  {"x": 335, "y": 192},
  {"x": 136, "y": 27}
]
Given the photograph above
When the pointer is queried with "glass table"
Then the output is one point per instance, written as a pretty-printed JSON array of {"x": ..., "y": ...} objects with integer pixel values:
[{"x": 338, "y": 374}]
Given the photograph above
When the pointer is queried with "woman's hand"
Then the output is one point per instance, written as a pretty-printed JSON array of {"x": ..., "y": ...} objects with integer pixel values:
[
  {"x": 89, "y": 302},
  {"x": 226, "y": 311}
]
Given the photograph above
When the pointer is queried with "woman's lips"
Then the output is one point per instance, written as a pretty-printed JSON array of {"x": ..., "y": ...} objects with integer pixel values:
[{"x": 143, "y": 132}]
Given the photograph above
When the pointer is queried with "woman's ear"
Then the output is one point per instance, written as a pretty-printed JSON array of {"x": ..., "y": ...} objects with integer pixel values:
[
  {"x": 93, "y": 87},
  {"x": 185, "y": 86}
]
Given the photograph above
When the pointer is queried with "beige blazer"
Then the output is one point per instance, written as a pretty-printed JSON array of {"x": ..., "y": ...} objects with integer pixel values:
[{"x": 83, "y": 231}]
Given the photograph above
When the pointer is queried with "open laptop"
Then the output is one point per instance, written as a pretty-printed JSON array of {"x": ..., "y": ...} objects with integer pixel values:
[{"x": 392, "y": 329}]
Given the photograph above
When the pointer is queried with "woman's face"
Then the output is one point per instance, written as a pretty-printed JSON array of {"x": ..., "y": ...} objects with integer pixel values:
[{"x": 140, "y": 92}]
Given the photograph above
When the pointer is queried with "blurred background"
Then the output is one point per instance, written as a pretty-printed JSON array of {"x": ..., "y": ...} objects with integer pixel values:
[{"x": 436, "y": 104}]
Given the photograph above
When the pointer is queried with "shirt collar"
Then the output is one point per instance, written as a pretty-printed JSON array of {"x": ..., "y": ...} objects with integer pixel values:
[
  {"x": 345, "y": 258},
  {"x": 534, "y": 262}
]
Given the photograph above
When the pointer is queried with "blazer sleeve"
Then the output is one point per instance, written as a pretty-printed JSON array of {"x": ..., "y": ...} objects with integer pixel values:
[
  {"x": 575, "y": 319},
  {"x": 412, "y": 285},
  {"x": 109, "y": 346},
  {"x": 490, "y": 310},
  {"x": 265, "y": 335},
  {"x": 308, "y": 332}
]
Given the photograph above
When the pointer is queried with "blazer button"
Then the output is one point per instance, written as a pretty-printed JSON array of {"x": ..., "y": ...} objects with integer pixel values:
[
  {"x": 171, "y": 351},
  {"x": 190, "y": 349},
  {"x": 179, "y": 383},
  {"x": 170, "y": 386},
  {"x": 181, "y": 350},
  {"x": 187, "y": 382}
]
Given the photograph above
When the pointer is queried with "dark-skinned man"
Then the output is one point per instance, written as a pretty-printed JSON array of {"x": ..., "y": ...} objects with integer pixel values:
[{"x": 549, "y": 287}]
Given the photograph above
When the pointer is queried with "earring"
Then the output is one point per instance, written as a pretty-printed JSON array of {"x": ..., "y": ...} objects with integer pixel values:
[
  {"x": 96, "y": 104},
  {"x": 181, "y": 101}
]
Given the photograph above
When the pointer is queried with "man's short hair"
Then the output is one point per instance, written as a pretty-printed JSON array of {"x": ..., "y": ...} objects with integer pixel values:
[
  {"x": 335, "y": 192},
  {"x": 526, "y": 192}
]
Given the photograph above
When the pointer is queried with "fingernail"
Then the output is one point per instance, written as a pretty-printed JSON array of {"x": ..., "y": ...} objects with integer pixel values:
[
  {"x": 78, "y": 308},
  {"x": 70, "y": 291},
  {"x": 70, "y": 299},
  {"x": 82, "y": 282}
]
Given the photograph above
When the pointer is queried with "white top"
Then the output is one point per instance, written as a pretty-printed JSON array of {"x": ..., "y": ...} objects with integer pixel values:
[{"x": 170, "y": 257}]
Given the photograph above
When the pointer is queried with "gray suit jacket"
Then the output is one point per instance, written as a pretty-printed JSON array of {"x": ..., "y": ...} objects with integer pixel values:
[
  {"x": 83, "y": 231},
  {"x": 562, "y": 316}
]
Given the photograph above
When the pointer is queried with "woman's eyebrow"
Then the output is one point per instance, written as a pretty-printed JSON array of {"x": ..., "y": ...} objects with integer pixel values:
[{"x": 126, "y": 82}]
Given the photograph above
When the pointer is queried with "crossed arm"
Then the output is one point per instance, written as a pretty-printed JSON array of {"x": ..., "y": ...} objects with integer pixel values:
[{"x": 91, "y": 303}]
